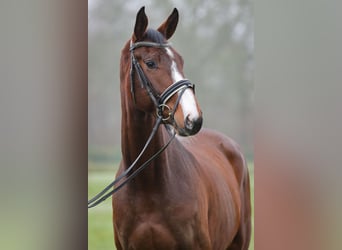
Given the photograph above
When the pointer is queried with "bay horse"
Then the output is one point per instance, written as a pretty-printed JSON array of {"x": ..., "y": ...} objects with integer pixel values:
[{"x": 195, "y": 194}]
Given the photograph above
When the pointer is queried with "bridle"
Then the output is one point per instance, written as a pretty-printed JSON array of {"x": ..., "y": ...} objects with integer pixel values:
[{"x": 160, "y": 102}]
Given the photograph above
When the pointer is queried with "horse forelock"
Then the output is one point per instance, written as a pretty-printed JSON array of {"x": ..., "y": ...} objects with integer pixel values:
[{"x": 154, "y": 36}]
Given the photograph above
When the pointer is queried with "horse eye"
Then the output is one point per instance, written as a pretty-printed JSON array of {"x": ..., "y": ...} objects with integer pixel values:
[{"x": 151, "y": 64}]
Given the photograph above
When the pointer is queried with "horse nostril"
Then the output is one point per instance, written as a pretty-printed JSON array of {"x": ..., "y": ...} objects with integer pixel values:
[
  {"x": 188, "y": 123},
  {"x": 193, "y": 125}
]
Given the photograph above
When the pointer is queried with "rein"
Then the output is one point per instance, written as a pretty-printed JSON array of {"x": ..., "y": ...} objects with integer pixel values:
[
  {"x": 160, "y": 104},
  {"x": 102, "y": 196}
]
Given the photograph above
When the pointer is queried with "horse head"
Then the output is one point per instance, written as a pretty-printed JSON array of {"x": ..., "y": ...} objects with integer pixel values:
[{"x": 157, "y": 84}]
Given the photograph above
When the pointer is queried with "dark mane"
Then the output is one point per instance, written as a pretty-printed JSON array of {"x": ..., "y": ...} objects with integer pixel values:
[{"x": 154, "y": 36}]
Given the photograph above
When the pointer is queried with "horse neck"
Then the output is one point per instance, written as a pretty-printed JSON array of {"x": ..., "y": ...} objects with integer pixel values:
[{"x": 136, "y": 127}]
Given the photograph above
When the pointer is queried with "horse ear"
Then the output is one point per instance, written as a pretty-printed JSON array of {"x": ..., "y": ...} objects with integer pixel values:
[
  {"x": 140, "y": 25},
  {"x": 169, "y": 26}
]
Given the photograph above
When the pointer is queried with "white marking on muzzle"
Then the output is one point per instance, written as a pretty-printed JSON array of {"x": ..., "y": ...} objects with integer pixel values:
[{"x": 188, "y": 100}]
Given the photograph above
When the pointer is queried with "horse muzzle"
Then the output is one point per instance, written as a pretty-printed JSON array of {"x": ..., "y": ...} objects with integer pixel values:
[{"x": 191, "y": 126}]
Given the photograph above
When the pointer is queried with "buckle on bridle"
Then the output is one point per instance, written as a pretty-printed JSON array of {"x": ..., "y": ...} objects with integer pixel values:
[{"x": 160, "y": 112}]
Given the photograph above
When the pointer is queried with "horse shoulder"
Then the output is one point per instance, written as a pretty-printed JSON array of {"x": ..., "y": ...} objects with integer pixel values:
[
  {"x": 223, "y": 172},
  {"x": 216, "y": 144}
]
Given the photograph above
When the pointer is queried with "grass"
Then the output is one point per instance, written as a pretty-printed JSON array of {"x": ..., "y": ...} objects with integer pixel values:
[{"x": 100, "y": 229}]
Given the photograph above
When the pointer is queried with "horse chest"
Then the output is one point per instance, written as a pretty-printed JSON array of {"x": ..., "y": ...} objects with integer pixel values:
[
  {"x": 154, "y": 231},
  {"x": 152, "y": 224}
]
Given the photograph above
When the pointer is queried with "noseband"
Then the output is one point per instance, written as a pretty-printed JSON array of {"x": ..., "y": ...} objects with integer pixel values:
[{"x": 159, "y": 100}]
